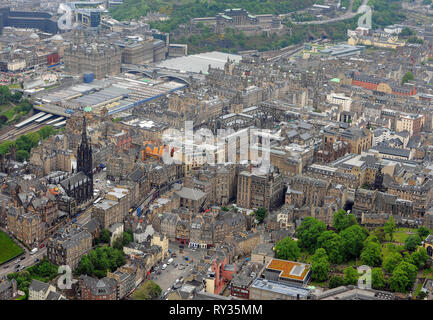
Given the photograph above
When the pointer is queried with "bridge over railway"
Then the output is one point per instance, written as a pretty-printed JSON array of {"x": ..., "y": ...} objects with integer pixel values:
[{"x": 159, "y": 73}]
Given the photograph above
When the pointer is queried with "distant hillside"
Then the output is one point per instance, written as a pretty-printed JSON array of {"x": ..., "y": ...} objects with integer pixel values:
[{"x": 181, "y": 11}]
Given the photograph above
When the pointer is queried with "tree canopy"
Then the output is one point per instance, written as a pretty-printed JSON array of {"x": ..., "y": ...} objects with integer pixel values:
[
  {"x": 407, "y": 77},
  {"x": 423, "y": 232},
  {"x": 389, "y": 227},
  {"x": 378, "y": 281},
  {"x": 147, "y": 291},
  {"x": 343, "y": 220},
  {"x": 260, "y": 214},
  {"x": 371, "y": 255},
  {"x": 99, "y": 260},
  {"x": 403, "y": 277},
  {"x": 319, "y": 265},
  {"x": 392, "y": 261},
  {"x": 331, "y": 242},
  {"x": 351, "y": 276},
  {"x": 336, "y": 281},
  {"x": 308, "y": 233},
  {"x": 287, "y": 249},
  {"x": 412, "y": 242},
  {"x": 352, "y": 241}
]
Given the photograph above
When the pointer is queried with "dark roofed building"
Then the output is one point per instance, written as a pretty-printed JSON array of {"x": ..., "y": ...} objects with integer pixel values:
[{"x": 97, "y": 289}]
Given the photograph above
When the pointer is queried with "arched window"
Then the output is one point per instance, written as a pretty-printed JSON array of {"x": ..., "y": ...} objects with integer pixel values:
[{"x": 430, "y": 251}]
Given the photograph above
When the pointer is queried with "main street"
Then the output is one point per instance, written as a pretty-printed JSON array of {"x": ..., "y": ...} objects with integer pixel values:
[{"x": 28, "y": 261}]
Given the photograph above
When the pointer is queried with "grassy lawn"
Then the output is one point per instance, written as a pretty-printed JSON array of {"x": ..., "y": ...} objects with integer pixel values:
[
  {"x": 8, "y": 248},
  {"x": 401, "y": 234},
  {"x": 389, "y": 248}
]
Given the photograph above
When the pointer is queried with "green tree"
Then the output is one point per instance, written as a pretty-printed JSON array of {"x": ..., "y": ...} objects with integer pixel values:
[
  {"x": 260, "y": 214},
  {"x": 331, "y": 242},
  {"x": 85, "y": 266},
  {"x": 371, "y": 254},
  {"x": 127, "y": 237},
  {"x": 147, "y": 291},
  {"x": 5, "y": 94},
  {"x": 352, "y": 241},
  {"x": 378, "y": 281},
  {"x": 335, "y": 282},
  {"x": 423, "y": 232},
  {"x": 23, "y": 155},
  {"x": 105, "y": 235},
  {"x": 16, "y": 97},
  {"x": 399, "y": 281},
  {"x": 308, "y": 233},
  {"x": 319, "y": 265},
  {"x": 411, "y": 270},
  {"x": 419, "y": 258},
  {"x": 389, "y": 227},
  {"x": 343, "y": 220},
  {"x": 412, "y": 242},
  {"x": 379, "y": 233},
  {"x": 46, "y": 131},
  {"x": 351, "y": 276},
  {"x": 118, "y": 243},
  {"x": 406, "y": 32},
  {"x": 392, "y": 261},
  {"x": 287, "y": 249},
  {"x": 407, "y": 77}
]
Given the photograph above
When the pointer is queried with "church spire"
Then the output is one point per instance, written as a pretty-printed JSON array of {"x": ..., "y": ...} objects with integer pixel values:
[{"x": 84, "y": 133}]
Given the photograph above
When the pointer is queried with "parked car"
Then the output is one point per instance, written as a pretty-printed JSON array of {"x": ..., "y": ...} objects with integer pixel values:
[
  {"x": 22, "y": 258},
  {"x": 36, "y": 260},
  {"x": 164, "y": 266},
  {"x": 17, "y": 266},
  {"x": 5, "y": 267},
  {"x": 42, "y": 245}
]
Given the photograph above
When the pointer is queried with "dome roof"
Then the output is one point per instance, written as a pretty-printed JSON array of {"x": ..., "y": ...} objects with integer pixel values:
[{"x": 57, "y": 37}]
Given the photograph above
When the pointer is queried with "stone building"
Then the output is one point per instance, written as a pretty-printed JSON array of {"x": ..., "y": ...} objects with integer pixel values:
[
  {"x": 8, "y": 289},
  {"x": 359, "y": 139},
  {"x": 304, "y": 190},
  {"x": 97, "y": 289},
  {"x": 257, "y": 189},
  {"x": 373, "y": 202},
  {"x": 100, "y": 59},
  {"x": 68, "y": 248},
  {"x": 25, "y": 226},
  {"x": 80, "y": 185}
]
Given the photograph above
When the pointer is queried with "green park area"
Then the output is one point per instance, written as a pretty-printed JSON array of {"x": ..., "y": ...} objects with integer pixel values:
[
  {"x": 8, "y": 248},
  {"x": 12, "y": 106},
  {"x": 395, "y": 255}
]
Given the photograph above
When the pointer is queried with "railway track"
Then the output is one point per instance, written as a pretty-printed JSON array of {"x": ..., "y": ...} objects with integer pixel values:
[{"x": 15, "y": 132}]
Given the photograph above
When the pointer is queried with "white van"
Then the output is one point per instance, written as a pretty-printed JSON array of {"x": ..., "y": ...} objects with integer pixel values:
[
  {"x": 34, "y": 250},
  {"x": 170, "y": 261},
  {"x": 164, "y": 266}
]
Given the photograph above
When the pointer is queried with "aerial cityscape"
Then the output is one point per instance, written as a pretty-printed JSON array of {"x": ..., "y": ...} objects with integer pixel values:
[{"x": 223, "y": 150}]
